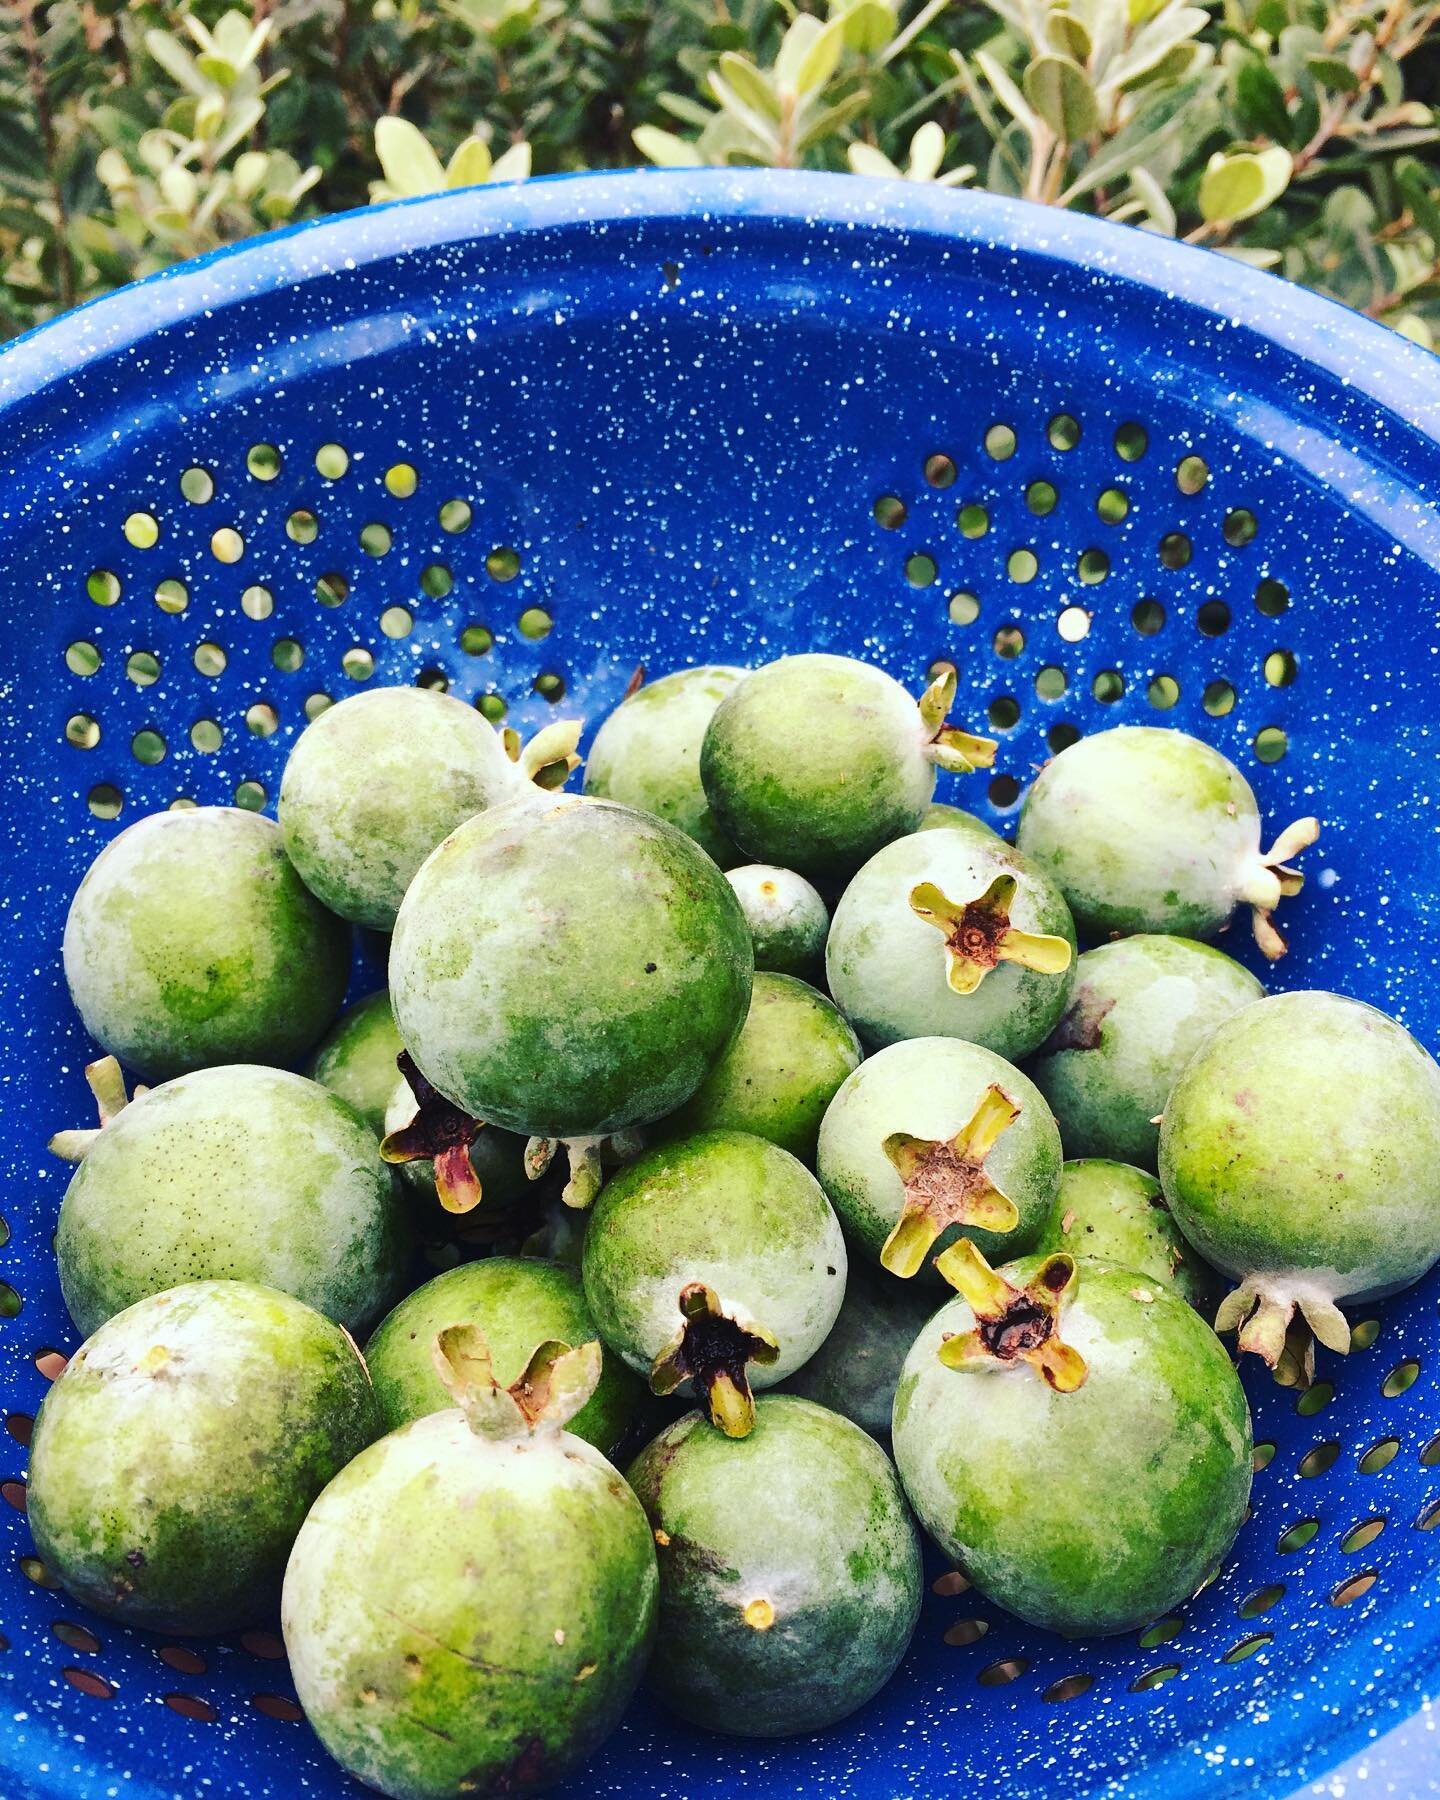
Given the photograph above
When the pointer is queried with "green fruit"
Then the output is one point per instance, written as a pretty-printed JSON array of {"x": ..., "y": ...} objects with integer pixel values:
[
  {"x": 780, "y": 1073},
  {"x": 943, "y": 934},
  {"x": 647, "y": 753},
  {"x": 714, "y": 1265},
  {"x": 518, "y": 1302},
  {"x": 1300, "y": 1153},
  {"x": 357, "y": 1060},
  {"x": 855, "y": 1370},
  {"x": 939, "y": 817},
  {"x": 192, "y": 941},
  {"x": 241, "y": 1173},
  {"x": 1116, "y": 1214},
  {"x": 1139, "y": 1010},
  {"x": 175, "y": 1458},
  {"x": 935, "y": 1139},
  {"x": 373, "y": 784},
  {"x": 1076, "y": 1440},
  {"x": 787, "y": 919},
  {"x": 469, "y": 1606},
  {"x": 814, "y": 762},
  {"x": 1150, "y": 830},
  {"x": 787, "y": 1625},
  {"x": 567, "y": 972}
]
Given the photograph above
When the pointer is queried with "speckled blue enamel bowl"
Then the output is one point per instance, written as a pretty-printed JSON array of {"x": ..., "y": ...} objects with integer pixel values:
[{"x": 675, "y": 417}]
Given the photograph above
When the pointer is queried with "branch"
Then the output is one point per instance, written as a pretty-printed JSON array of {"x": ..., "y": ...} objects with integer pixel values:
[{"x": 40, "y": 95}]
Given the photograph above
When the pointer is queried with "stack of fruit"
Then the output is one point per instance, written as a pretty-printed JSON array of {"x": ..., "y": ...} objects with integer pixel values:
[{"x": 608, "y": 1094}]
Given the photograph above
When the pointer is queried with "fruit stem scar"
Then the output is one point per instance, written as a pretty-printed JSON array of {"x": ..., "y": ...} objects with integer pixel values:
[
  {"x": 714, "y": 1349},
  {"x": 439, "y": 1132},
  {"x": 551, "y": 1389},
  {"x": 945, "y": 744},
  {"x": 1013, "y": 1324},
  {"x": 946, "y": 1183},
  {"x": 978, "y": 934}
]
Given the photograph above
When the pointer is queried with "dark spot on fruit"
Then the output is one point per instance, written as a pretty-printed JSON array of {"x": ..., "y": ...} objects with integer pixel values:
[
  {"x": 1079, "y": 1026},
  {"x": 135, "y": 1558},
  {"x": 828, "y": 1269},
  {"x": 650, "y": 968}
]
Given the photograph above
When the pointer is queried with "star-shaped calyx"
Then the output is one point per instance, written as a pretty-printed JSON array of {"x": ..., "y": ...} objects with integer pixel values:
[
  {"x": 440, "y": 1133},
  {"x": 714, "y": 1349},
  {"x": 554, "y": 1385},
  {"x": 1281, "y": 1328},
  {"x": 107, "y": 1083},
  {"x": 549, "y": 759},
  {"x": 1013, "y": 1324},
  {"x": 1273, "y": 881},
  {"x": 945, "y": 744},
  {"x": 946, "y": 1183},
  {"x": 978, "y": 934}
]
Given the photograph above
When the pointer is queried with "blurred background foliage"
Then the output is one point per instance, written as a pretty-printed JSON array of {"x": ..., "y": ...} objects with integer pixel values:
[{"x": 1297, "y": 135}]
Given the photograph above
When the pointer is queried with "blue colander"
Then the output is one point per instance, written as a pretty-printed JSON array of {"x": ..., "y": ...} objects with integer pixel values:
[{"x": 515, "y": 442}]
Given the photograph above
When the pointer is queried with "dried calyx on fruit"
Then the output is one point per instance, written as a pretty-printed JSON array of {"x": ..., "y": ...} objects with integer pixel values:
[
  {"x": 106, "y": 1081},
  {"x": 947, "y": 1183},
  {"x": 439, "y": 1133},
  {"x": 1012, "y": 1324},
  {"x": 979, "y": 936},
  {"x": 714, "y": 1349},
  {"x": 518, "y": 1302},
  {"x": 587, "y": 1159},
  {"x": 1147, "y": 829},
  {"x": 814, "y": 762}
]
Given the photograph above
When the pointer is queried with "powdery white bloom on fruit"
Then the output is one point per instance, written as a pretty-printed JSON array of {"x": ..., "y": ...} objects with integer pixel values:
[
  {"x": 470, "y": 1604},
  {"x": 1075, "y": 1437},
  {"x": 815, "y": 761},
  {"x": 192, "y": 941},
  {"x": 1151, "y": 830}
]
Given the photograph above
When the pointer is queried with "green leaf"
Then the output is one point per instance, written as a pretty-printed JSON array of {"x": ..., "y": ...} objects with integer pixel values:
[
  {"x": 1334, "y": 73},
  {"x": 514, "y": 165},
  {"x": 1172, "y": 27},
  {"x": 218, "y": 69},
  {"x": 244, "y": 116},
  {"x": 1243, "y": 183},
  {"x": 1060, "y": 92},
  {"x": 755, "y": 89},
  {"x": 1068, "y": 36},
  {"x": 755, "y": 124},
  {"x": 1155, "y": 201},
  {"x": 410, "y": 166},
  {"x": 822, "y": 59},
  {"x": 1260, "y": 101},
  {"x": 664, "y": 149},
  {"x": 927, "y": 152},
  {"x": 1007, "y": 93},
  {"x": 471, "y": 164},
  {"x": 175, "y": 60},
  {"x": 831, "y": 119},
  {"x": 1187, "y": 110},
  {"x": 865, "y": 159},
  {"x": 868, "y": 25},
  {"x": 1417, "y": 189}
]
